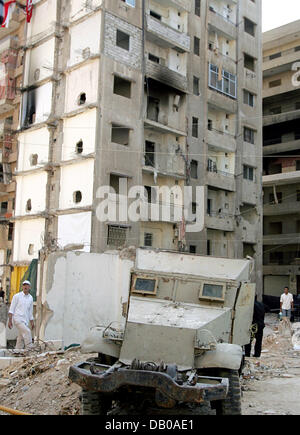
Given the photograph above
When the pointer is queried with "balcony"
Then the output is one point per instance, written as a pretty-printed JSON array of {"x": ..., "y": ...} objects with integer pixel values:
[
  {"x": 224, "y": 141},
  {"x": 220, "y": 23},
  {"x": 274, "y": 146},
  {"x": 221, "y": 180},
  {"x": 219, "y": 221},
  {"x": 165, "y": 75},
  {"x": 281, "y": 239},
  {"x": 281, "y": 117},
  {"x": 167, "y": 37},
  {"x": 284, "y": 208},
  {"x": 281, "y": 179}
]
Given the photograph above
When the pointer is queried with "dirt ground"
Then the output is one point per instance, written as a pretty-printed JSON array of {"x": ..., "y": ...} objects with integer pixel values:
[
  {"x": 39, "y": 384},
  {"x": 271, "y": 384}
]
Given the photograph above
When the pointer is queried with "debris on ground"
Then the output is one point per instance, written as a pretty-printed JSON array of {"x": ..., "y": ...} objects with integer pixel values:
[{"x": 38, "y": 383}]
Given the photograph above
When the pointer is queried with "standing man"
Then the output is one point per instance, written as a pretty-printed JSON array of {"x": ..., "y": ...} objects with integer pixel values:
[
  {"x": 286, "y": 303},
  {"x": 259, "y": 323},
  {"x": 21, "y": 313},
  {"x": 2, "y": 295}
]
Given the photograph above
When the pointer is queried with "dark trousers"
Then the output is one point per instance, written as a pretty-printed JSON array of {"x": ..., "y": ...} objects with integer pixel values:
[{"x": 258, "y": 344}]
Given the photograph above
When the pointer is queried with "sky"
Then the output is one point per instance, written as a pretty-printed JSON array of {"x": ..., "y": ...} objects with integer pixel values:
[{"x": 277, "y": 13}]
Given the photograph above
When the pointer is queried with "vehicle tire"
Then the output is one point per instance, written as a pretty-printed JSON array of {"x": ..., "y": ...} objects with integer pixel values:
[
  {"x": 232, "y": 405},
  {"x": 94, "y": 403}
]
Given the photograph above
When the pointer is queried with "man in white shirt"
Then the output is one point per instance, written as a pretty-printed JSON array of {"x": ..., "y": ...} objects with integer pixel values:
[
  {"x": 286, "y": 303},
  {"x": 21, "y": 314}
]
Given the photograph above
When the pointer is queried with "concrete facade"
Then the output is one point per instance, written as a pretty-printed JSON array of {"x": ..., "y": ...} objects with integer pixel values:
[
  {"x": 150, "y": 91},
  {"x": 281, "y": 181}
]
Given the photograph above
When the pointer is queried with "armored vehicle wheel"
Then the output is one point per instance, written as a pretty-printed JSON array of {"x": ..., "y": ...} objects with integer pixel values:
[
  {"x": 94, "y": 403},
  {"x": 232, "y": 405}
]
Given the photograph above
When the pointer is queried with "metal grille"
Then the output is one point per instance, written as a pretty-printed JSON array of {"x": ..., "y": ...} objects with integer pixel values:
[{"x": 116, "y": 236}]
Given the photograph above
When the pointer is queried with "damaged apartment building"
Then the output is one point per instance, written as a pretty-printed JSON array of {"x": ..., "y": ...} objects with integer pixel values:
[
  {"x": 11, "y": 71},
  {"x": 159, "y": 93},
  {"x": 281, "y": 150}
]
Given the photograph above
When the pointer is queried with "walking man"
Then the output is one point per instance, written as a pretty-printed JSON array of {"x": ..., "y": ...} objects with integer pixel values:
[
  {"x": 286, "y": 303},
  {"x": 21, "y": 313}
]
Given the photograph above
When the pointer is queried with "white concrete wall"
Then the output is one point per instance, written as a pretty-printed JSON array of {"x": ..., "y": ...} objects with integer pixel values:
[
  {"x": 82, "y": 80},
  {"x": 78, "y": 9},
  {"x": 77, "y": 177},
  {"x": 43, "y": 19},
  {"x": 29, "y": 232},
  {"x": 83, "y": 291},
  {"x": 31, "y": 187},
  {"x": 40, "y": 58},
  {"x": 79, "y": 128},
  {"x": 31, "y": 143},
  {"x": 91, "y": 29},
  {"x": 75, "y": 229}
]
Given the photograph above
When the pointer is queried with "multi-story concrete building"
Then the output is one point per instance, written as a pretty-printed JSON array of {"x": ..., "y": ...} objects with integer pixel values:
[
  {"x": 11, "y": 69},
  {"x": 159, "y": 93},
  {"x": 281, "y": 181}
]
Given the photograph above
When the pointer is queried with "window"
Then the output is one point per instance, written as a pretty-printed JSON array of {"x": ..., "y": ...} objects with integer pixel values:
[
  {"x": 208, "y": 247},
  {"x": 10, "y": 232},
  {"x": 212, "y": 291},
  {"x": 298, "y": 195},
  {"x": 195, "y": 122},
  {"x": 193, "y": 249},
  {"x": 249, "y": 62},
  {"x": 120, "y": 135},
  {"x": 194, "y": 169},
  {"x": 196, "y": 86},
  {"x": 130, "y": 3},
  {"x": 148, "y": 239},
  {"x": 123, "y": 40},
  {"x": 248, "y": 173},
  {"x": 275, "y": 83},
  {"x": 116, "y": 236},
  {"x": 249, "y": 27},
  {"x": 150, "y": 154},
  {"x": 155, "y": 15},
  {"x": 122, "y": 87},
  {"x": 153, "y": 58},
  {"x": 4, "y": 207},
  {"x": 272, "y": 198},
  {"x": 224, "y": 83},
  {"x": 275, "y": 228},
  {"x": 249, "y": 98},
  {"x": 249, "y": 135},
  {"x": 276, "y": 257},
  {"x": 275, "y": 56},
  {"x": 196, "y": 46},
  {"x": 144, "y": 284},
  {"x": 210, "y": 125},
  {"x": 197, "y": 8}
]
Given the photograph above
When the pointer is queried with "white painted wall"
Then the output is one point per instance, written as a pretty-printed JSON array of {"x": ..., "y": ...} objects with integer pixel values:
[
  {"x": 43, "y": 19},
  {"x": 33, "y": 187},
  {"x": 80, "y": 127},
  {"x": 26, "y": 233},
  {"x": 82, "y": 80},
  {"x": 33, "y": 142},
  {"x": 85, "y": 290},
  {"x": 77, "y": 177},
  {"x": 42, "y": 58},
  {"x": 75, "y": 229},
  {"x": 78, "y": 8},
  {"x": 2, "y": 261},
  {"x": 91, "y": 29}
]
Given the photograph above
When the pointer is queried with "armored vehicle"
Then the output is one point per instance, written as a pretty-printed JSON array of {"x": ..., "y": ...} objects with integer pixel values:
[{"x": 181, "y": 342}]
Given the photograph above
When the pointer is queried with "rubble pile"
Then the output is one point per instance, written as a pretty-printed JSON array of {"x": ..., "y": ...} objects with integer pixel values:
[{"x": 38, "y": 383}]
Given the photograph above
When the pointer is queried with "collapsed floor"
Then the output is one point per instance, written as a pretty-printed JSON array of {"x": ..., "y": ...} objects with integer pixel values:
[{"x": 38, "y": 384}]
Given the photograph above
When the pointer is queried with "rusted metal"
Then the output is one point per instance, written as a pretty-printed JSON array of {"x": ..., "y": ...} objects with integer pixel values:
[{"x": 112, "y": 379}]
